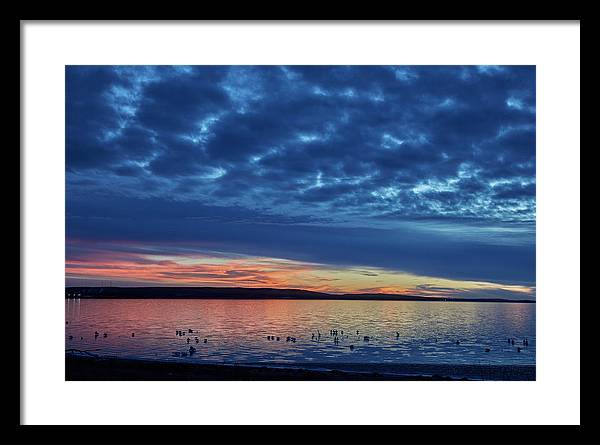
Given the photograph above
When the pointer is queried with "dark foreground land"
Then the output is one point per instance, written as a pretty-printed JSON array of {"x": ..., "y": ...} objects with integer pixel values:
[{"x": 79, "y": 367}]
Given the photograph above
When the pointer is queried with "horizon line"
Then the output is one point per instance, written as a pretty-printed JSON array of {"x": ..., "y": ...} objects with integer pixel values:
[{"x": 324, "y": 295}]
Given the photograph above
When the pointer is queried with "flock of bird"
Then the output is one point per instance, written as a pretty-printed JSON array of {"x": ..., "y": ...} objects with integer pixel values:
[{"x": 333, "y": 333}]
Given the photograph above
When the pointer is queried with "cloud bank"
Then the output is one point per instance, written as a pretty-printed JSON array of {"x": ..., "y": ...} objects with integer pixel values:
[{"x": 427, "y": 170}]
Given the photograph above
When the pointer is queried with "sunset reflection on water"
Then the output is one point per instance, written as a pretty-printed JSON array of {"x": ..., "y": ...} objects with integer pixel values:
[{"x": 236, "y": 331}]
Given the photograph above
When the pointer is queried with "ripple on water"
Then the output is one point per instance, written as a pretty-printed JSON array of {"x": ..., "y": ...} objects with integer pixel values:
[{"x": 237, "y": 330}]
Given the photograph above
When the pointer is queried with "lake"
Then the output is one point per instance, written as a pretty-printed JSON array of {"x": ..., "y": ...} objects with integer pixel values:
[{"x": 236, "y": 331}]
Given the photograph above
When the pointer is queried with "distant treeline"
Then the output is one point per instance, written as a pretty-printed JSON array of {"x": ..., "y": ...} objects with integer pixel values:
[{"x": 247, "y": 293}]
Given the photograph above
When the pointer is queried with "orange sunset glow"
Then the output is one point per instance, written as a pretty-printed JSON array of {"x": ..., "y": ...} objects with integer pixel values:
[{"x": 200, "y": 270}]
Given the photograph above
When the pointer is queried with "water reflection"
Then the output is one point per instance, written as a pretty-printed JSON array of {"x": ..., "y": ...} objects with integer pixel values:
[{"x": 237, "y": 331}]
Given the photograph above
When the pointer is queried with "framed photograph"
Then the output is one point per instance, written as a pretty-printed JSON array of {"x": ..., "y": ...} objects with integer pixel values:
[{"x": 300, "y": 215}]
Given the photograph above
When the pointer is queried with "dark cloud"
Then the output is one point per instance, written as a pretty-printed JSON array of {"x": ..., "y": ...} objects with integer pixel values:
[
  {"x": 169, "y": 153},
  {"x": 434, "y": 250}
]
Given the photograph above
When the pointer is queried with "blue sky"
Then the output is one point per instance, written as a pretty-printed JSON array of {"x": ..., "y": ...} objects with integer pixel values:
[{"x": 417, "y": 179}]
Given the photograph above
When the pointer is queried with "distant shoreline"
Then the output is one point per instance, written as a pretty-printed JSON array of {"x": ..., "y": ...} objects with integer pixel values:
[{"x": 246, "y": 293}]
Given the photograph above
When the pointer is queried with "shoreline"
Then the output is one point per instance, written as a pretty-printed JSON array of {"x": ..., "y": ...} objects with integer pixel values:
[
  {"x": 88, "y": 368},
  {"x": 245, "y": 293}
]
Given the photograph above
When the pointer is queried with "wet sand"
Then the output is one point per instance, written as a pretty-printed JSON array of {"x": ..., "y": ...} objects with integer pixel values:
[{"x": 79, "y": 367}]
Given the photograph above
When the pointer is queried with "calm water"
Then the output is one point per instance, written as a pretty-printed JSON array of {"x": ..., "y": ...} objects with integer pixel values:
[{"x": 237, "y": 330}]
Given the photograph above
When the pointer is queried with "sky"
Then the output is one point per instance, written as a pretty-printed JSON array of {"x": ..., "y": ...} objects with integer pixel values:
[{"x": 348, "y": 179}]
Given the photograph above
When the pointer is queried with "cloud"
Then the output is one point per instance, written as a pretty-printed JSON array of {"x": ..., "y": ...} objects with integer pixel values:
[
  {"x": 507, "y": 254},
  {"x": 387, "y": 166},
  {"x": 130, "y": 263}
]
